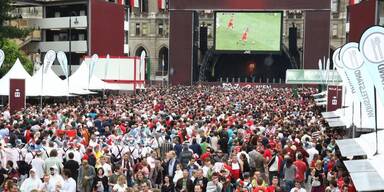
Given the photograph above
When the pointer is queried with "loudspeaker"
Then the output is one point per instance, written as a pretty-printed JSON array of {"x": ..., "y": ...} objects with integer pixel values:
[
  {"x": 292, "y": 39},
  {"x": 203, "y": 39}
]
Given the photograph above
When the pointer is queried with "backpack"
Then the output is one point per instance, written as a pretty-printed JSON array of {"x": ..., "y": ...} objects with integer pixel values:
[
  {"x": 116, "y": 158},
  {"x": 22, "y": 166}
]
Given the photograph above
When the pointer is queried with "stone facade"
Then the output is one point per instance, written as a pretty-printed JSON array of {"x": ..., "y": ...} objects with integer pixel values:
[{"x": 150, "y": 30}]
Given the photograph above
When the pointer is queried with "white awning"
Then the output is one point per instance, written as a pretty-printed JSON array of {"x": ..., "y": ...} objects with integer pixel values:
[
  {"x": 349, "y": 147},
  {"x": 367, "y": 181},
  {"x": 329, "y": 115},
  {"x": 336, "y": 122},
  {"x": 355, "y": 166}
]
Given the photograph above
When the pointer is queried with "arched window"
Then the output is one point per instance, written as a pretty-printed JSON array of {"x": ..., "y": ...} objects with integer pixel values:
[{"x": 163, "y": 60}]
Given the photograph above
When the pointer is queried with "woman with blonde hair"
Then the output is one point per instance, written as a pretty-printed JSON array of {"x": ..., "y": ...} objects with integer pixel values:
[
  {"x": 121, "y": 185},
  {"x": 317, "y": 174}
]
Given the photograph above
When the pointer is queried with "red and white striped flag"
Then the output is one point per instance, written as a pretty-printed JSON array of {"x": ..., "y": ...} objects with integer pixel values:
[
  {"x": 135, "y": 3},
  {"x": 352, "y": 2},
  {"x": 161, "y": 4}
]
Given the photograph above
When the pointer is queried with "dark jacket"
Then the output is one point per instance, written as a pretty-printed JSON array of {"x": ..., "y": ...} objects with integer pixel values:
[
  {"x": 196, "y": 148},
  {"x": 74, "y": 167},
  {"x": 170, "y": 188},
  {"x": 174, "y": 168},
  {"x": 185, "y": 157},
  {"x": 179, "y": 185}
]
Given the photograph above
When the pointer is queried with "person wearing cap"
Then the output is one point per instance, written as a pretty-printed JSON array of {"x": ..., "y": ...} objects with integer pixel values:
[{"x": 31, "y": 183}]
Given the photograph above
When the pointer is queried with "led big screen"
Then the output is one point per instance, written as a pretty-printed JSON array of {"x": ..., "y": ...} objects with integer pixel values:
[{"x": 248, "y": 31}]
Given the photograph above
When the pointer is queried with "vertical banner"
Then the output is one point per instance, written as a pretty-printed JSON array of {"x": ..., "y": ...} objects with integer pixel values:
[
  {"x": 63, "y": 61},
  {"x": 94, "y": 59},
  {"x": 334, "y": 97},
  {"x": 2, "y": 57},
  {"x": 16, "y": 94},
  {"x": 142, "y": 62},
  {"x": 349, "y": 96},
  {"x": 49, "y": 58},
  {"x": 353, "y": 62},
  {"x": 341, "y": 71},
  {"x": 372, "y": 48}
]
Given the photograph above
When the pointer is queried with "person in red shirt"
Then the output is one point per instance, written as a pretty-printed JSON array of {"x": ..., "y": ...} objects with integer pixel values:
[
  {"x": 244, "y": 37},
  {"x": 275, "y": 185},
  {"x": 301, "y": 168},
  {"x": 230, "y": 23}
]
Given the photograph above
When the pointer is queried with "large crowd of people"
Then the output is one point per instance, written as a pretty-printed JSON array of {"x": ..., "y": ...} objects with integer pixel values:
[{"x": 180, "y": 138}]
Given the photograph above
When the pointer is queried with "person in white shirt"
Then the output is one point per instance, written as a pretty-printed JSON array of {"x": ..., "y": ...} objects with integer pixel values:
[
  {"x": 33, "y": 182},
  {"x": 298, "y": 187},
  {"x": 38, "y": 164},
  {"x": 106, "y": 166},
  {"x": 55, "y": 179},
  {"x": 121, "y": 185},
  {"x": 6, "y": 115},
  {"x": 312, "y": 151},
  {"x": 69, "y": 183}
]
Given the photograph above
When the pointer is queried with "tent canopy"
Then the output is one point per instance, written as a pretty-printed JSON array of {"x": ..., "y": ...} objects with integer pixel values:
[
  {"x": 80, "y": 80},
  {"x": 16, "y": 72},
  {"x": 330, "y": 115},
  {"x": 47, "y": 84}
]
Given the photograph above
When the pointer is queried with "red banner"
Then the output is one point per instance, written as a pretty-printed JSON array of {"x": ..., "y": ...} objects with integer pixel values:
[
  {"x": 334, "y": 97},
  {"x": 16, "y": 94}
]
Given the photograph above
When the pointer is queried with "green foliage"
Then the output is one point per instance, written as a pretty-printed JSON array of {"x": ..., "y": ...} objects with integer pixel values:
[
  {"x": 9, "y": 31},
  {"x": 5, "y": 8},
  {"x": 12, "y": 52}
]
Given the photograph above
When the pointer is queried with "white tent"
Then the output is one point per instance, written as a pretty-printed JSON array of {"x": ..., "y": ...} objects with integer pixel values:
[
  {"x": 52, "y": 85},
  {"x": 16, "y": 72},
  {"x": 80, "y": 80}
]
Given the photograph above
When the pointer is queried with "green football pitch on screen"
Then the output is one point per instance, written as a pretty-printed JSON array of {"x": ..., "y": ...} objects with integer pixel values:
[{"x": 248, "y": 31}]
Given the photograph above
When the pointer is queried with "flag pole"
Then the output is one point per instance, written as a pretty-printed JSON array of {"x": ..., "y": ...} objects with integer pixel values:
[
  {"x": 42, "y": 88},
  {"x": 377, "y": 139}
]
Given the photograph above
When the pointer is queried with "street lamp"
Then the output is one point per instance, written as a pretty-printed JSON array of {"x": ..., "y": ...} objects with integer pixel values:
[{"x": 70, "y": 41}]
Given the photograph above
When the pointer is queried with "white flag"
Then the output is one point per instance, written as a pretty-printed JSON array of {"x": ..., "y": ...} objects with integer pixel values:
[
  {"x": 340, "y": 70},
  {"x": 372, "y": 48},
  {"x": 353, "y": 62},
  {"x": 94, "y": 60},
  {"x": 142, "y": 57},
  {"x": 327, "y": 70},
  {"x": 2, "y": 57},
  {"x": 49, "y": 58},
  {"x": 62, "y": 58}
]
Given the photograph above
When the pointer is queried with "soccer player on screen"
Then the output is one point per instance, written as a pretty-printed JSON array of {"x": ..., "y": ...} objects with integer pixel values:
[
  {"x": 230, "y": 23},
  {"x": 244, "y": 37}
]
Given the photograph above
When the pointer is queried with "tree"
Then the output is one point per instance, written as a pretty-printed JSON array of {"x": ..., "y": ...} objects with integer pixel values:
[
  {"x": 12, "y": 52},
  {"x": 7, "y": 31}
]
